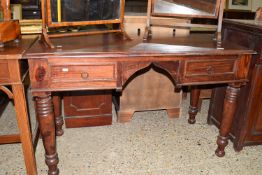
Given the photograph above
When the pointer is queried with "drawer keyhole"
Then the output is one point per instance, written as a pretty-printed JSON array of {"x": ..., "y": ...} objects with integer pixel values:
[
  {"x": 210, "y": 70},
  {"x": 84, "y": 75}
]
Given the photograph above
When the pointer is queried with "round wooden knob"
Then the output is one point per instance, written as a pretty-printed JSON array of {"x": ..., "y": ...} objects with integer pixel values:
[
  {"x": 210, "y": 70},
  {"x": 84, "y": 75}
]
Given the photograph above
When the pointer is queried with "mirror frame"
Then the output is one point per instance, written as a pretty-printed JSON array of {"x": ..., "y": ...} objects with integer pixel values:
[
  {"x": 47, "y": 24},
  {"x": 50, "y": 23},
  {"x": 218, "y": 15}
]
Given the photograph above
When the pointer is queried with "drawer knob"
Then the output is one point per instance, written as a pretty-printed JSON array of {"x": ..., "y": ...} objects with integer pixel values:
[
  {"x": 84, "y": 75},
  {"x": 210, "y": 70}
]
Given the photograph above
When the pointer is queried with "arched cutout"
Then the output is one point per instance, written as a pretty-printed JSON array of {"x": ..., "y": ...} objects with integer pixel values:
[{"x": 131, "y": 70}]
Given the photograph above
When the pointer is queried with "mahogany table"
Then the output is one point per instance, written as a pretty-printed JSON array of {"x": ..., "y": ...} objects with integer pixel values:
[
  {"x": 13, "y": 71},
  {"x": 101, "y": 62}
]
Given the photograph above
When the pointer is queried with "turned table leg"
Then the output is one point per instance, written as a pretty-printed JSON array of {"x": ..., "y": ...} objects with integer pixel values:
[
  {"x": 58, "y": 115},
  {"x": 193, "y": 108},
  {"x": 45, "y": 114},
  {"x": 228, "y": 115}
]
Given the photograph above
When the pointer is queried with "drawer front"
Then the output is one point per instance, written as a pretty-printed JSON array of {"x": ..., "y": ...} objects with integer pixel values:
[
  {"x": 199, "y": 68},
  {"x": 4, "y": 72},
  {"x": 76, "y": 73},
  {"x": 202, "y": 71}
]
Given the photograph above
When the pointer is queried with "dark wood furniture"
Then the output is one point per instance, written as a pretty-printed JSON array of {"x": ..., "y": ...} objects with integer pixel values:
[
  {"x": 109, "y": 61},
  {"x": 31, "y": 9},
  {"x": 247, "y": 126},
  {"x": 13, "y": 71},
  {"x": 237, "y": 14},
  {"x": 92, "y": 108}
]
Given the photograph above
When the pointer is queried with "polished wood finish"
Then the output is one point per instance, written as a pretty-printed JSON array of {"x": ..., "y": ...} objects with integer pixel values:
[
  {"x": 228, "y": 115},
  {"x": 246, "y": 129},
  {"x": 9, "y": 29},
  {"x": 5, "y": 5},
  {"x": 93, "y": 108},
  {"x": 46, "y": 119},
  {"x": 121, "y": 59},
  {"x": 13, "y": 73}
]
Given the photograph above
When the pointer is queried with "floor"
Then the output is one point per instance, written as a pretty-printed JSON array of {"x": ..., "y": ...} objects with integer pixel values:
[{"x": 152, "y": 144}]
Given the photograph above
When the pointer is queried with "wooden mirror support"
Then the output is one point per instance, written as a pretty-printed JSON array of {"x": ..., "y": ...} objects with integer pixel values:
[
  {"x": 9, "y": 29},
  {"x": 58, "y": 22},
  {"x": 188, "y": 9}
]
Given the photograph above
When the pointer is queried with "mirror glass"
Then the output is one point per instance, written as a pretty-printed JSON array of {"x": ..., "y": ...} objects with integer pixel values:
[
  {"x": 185, "y": 7},
  {"x": 84, "y": 10}
]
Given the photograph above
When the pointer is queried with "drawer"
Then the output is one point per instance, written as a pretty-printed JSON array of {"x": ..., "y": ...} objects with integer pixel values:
[
  {"x": 208, "y": 71},
  {"x": 80, "y": 73},
  {"x": 202, "y": 68}
]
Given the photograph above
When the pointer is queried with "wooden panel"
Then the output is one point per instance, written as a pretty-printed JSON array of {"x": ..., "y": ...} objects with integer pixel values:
[
  {"x": 93, "y": 108},
  {"x": 255, "y": 121},
  {"x": 100, "y": 120},
  {"x": 155, "y": 90},
  {"x": 78, "y": 73},
  {"x": 9, "y": 30},
  {"x": 4, "y": 72}
]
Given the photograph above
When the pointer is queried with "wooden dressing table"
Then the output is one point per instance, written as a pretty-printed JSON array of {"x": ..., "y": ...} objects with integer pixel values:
[{"x": 108, "y": 61}]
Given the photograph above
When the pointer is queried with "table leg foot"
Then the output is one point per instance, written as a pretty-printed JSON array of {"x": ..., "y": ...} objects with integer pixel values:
[
  {"x": 222, "y": 142},
  {"x": 52, "y": 161}
]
